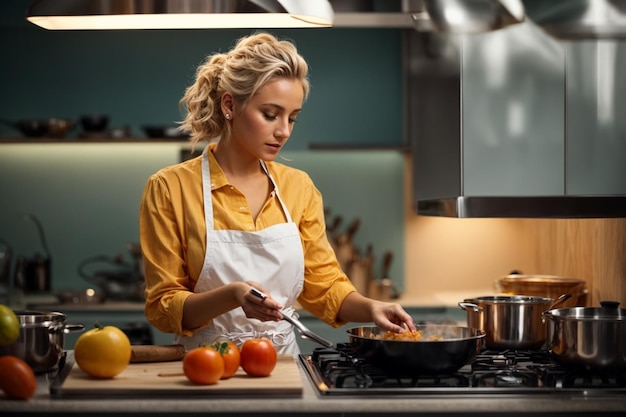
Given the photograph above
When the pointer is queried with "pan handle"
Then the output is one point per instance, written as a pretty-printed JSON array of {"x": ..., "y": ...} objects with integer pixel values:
[
  {"x": 470, "y": 306},
  {"x": 561, "y": 299},
  {"x": 306, "y": 333}
]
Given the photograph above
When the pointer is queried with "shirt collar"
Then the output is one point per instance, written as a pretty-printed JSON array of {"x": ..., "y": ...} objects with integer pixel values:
[{"x": 218, "y": 179}]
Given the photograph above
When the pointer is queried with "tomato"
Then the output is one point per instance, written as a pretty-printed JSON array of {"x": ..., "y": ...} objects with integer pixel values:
[
  {"x": 17, "y": 378},
  {"x": 230, "y": 354},
  {"x": 258, "y": 357},
  {"x": 203, "y": 365},
  {"x": 102, "y": 352},
  {"x": 9, "y": 326}
]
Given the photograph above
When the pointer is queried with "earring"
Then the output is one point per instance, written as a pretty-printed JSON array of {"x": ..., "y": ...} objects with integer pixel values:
[{"x": 227, "y": 116}]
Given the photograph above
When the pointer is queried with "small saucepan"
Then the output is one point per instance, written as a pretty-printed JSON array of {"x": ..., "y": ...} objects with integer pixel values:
[
  {"x": 40, "y": 343},
  {"x": 590, "y": 337}
]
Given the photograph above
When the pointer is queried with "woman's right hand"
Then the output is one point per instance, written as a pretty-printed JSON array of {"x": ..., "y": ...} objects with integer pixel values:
[{"x": 258, "y": 307}]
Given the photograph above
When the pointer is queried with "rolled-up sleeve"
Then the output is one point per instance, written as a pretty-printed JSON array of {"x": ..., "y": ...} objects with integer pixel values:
[
  {"x": 325, "y": 284},
  {"x": 168, "y": 282}
]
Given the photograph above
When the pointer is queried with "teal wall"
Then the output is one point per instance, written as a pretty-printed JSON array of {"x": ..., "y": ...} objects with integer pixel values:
[{"x": 87, "y": 195}]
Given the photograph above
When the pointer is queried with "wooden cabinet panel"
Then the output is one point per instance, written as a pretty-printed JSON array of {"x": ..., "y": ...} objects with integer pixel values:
[{"x": 589, "y": 249}]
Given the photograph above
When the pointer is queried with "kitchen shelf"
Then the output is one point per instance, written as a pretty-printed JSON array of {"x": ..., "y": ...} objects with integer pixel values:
[
  {"x": 94, "y": 140},
  {"x": 358, "y": 147},
  {"x": 311, "y": 146}
]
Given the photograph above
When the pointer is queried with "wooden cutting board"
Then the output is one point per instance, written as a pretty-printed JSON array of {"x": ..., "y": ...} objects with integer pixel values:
[{"x": 166, "y": 379}]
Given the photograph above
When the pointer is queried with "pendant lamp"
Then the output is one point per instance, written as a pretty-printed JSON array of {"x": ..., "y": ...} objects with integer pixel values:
[{"x": 179, "y": 14}]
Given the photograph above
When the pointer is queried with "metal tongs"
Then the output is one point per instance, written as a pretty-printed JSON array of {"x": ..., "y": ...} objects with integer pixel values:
[
  {"x": 306, "y": 333},
  {"x": 302, "y": 329}
]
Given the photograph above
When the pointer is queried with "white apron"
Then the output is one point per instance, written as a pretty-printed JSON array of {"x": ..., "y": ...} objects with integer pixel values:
[{"x": 272, "y": 257}]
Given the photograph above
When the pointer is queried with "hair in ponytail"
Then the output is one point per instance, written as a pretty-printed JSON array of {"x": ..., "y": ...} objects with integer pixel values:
[{"x": 255, "y": 61}]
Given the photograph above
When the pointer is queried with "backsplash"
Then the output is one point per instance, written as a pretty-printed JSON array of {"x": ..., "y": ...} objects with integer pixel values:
[{"x": 87, "y": 198}]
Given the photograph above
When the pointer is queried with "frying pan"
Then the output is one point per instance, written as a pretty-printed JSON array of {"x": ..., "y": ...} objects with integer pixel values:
[{"x": 457, "y": 346}]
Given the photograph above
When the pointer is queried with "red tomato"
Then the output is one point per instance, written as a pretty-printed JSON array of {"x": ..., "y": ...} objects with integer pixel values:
[
  {"x": 17, "y": 378},
  {"x": 203, "y": 365},
  {"x": 258, "y": 357},
  {"x": 230, "y": 354}
]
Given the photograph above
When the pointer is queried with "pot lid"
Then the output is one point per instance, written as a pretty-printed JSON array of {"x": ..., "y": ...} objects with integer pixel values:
[
  {"x": 511, "y": 299},
  {"x": 609, "y": 311},
  {"x": 30, "y": 317},
  {"x": 542, "y": 278}
]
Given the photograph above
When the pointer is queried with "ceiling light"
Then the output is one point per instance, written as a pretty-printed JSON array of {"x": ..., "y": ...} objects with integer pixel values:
[{"x": 179, "y": 14}]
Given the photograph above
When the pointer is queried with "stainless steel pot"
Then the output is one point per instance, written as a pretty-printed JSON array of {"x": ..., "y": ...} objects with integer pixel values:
[
  {"x": 593, "y": 337},
  {"x": 40, "y": 343},
  {"x": 457, "y": 347},
  {"x": 510, "y": 322}
]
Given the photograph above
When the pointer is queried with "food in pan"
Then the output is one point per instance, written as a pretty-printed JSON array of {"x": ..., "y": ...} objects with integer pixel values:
[{"x": 414, "y": 335}]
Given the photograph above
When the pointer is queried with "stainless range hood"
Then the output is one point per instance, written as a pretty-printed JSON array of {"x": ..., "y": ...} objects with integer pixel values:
[
  {"x": 515, "y": 123},
  {"x": 579, "y": 19}
]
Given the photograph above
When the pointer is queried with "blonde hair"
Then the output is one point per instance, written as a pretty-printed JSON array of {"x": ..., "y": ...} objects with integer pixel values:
[{"x": 255, "y": 61}]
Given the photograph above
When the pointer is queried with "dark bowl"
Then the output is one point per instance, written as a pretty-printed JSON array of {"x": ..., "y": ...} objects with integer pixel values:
[
  {"x": 165, "y": 131},
  {"x": 33, "y": 127},
  {"x": 94, "y": 123}
]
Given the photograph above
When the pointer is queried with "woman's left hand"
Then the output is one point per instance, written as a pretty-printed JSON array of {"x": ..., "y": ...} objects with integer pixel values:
[{"x": 391, "y": 316}]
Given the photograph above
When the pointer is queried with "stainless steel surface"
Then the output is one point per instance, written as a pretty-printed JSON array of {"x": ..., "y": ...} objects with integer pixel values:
[
  {"x": 579, "y": 19},
  {"x": 594, "y": 337},
  {"x": 561, "y": 207},
  {"x": 471, "y": 16},
  {"x": 510, "y": 322},
  {"x": 40, "y": 343},
  {"x": 453, "y": 347},
  {"x": 518, "y": 139},
  {"x": 306, "y": 333}
]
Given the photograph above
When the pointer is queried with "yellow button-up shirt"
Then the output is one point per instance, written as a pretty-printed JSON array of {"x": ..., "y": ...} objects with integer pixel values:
[{"x": 172, "y": 234}]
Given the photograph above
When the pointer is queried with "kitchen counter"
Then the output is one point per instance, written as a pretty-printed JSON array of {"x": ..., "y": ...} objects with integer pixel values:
[
  {"x": 441, "y": 405},
  {"x": 110, "y": 306}
]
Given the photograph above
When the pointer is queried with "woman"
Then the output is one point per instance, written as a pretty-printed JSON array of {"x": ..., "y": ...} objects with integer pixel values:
[{"x": 231, "y": 240}]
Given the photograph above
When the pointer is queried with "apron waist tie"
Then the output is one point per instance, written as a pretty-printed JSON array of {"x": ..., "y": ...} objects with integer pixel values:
[{"x": 283, "y": 337}]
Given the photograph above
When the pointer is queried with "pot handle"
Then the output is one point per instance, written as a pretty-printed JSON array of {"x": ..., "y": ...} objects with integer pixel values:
[
  {"x": 65, "y": 328},
  {"x": 470, "y": 306},
  {"x": 71, "y": 328},
  {"x": 562, "y": 298}
]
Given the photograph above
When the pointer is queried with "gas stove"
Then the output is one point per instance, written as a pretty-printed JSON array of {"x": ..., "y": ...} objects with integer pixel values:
[{"x": 340, "y": 372}]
